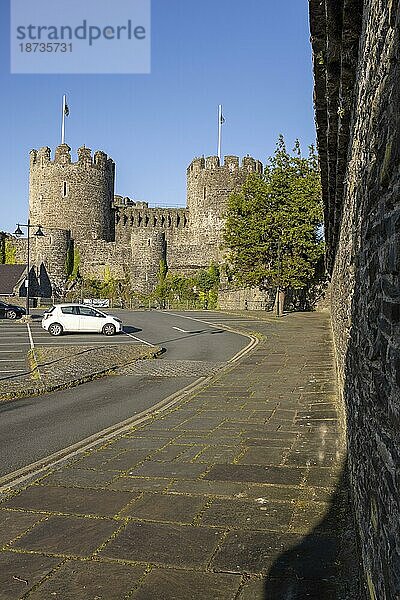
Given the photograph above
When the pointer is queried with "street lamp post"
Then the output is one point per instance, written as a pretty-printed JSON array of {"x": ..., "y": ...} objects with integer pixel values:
[
  {"x": 39, "y": 233},
  {"x": 278, "y": 297}
]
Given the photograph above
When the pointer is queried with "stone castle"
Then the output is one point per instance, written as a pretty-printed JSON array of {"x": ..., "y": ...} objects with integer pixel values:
[{"x": 75, "y": 204}]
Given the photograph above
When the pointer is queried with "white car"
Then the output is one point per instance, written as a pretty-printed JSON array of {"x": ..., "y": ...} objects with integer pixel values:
[{"x": 76, "y": 317}]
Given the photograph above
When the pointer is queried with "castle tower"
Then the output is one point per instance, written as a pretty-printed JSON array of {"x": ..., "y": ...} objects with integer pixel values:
[
  {"x": 75, "y": 196},
  {"x": 209, "y": 185},
  {"x": 148, "y": 250}
]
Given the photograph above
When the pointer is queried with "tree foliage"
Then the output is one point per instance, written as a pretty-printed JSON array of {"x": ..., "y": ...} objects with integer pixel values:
[
  {"x": 273, "y": 225},
  {"x": 8, "y": 252},
  {"x": 178, "y": 290}
]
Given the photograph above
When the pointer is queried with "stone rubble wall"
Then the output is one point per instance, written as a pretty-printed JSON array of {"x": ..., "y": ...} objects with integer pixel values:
[
  {"x": 243, "y": 299},
  {"x": 357, "y": 97}
]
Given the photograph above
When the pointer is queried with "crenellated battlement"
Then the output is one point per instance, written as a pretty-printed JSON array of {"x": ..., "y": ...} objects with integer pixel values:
[
  {"x": 231, "y": 164},
  {"x": 152, "y": 218},
  {"x": 62, "y": 156}
]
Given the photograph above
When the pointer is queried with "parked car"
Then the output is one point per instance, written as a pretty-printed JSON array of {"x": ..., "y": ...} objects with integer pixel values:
[
  {"x": 76, "y": 317},
  {"x": 11, "y": 311}
]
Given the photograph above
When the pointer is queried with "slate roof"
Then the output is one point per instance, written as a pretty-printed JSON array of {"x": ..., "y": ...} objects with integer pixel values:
[{"x": 10, "y": 275}]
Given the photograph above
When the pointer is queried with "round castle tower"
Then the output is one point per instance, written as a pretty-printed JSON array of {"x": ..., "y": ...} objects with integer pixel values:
[
  {"x": 74, "y": 196},
  {"x": 209, "y": 185}
]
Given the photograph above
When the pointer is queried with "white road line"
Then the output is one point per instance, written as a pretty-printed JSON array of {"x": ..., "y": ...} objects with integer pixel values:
[
  {"x": 14, "y": 371},
  {"x": 121, "y": 343},
  {"x": 16, "y": 344},
  {"x": 30, "y": 336},
  {"x": 12, "y": 360},
  {"x": 190, "y": 318},
  {"x": 137, "y": 339},
  {"x": 14, "y": 335},
  {"x": 182, "y": 330}
]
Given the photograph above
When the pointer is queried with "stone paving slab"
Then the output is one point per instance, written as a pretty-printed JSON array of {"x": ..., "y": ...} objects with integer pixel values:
[
  {"x": 67, "y": 536},
  {"x": 70, "y": 500},
  {"x": 21, "y": 572},
  {"x": 238, "y": 493},
  {"x": 90, "y": 580},
  {"x": 172, "y": 584},
  {"x": 165, "y": 544}
]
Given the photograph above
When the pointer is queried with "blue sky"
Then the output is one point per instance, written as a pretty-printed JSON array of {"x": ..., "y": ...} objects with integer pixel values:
[{"x": 254, "y": 57}]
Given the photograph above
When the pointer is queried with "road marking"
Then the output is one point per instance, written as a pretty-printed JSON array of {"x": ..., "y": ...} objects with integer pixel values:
[
  {"x": 8, "y": 360},
  {"x": 137, "y": 339},
  {"x": 30, "y": 336},
  {"x": 182, "y": 330},
  {"x": 14, "y": 371},
  {"x": 9, "y": 336},
  {"x": 192, "y": 319},
  {"x": 10, "y": 351}
]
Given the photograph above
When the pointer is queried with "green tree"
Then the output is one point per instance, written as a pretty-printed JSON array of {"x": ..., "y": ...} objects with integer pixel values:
[
  {"x": 175, "y": 289},
  {"x": 273, "y": 225},
  {"x": 8, "y": 252}
]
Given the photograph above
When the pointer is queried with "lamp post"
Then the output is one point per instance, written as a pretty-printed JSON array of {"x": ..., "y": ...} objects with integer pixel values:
[
  {"x": 278, "y": 296},
  {"x": 39, "y": 233}
]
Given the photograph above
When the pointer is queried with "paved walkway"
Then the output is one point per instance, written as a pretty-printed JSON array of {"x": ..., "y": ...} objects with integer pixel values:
[{"x": 237, "y": 493}]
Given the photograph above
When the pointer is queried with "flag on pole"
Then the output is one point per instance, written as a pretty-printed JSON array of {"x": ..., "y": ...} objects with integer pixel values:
[
  {"x": 65, "y": 113},
  {"x": 221, "y": 121}
]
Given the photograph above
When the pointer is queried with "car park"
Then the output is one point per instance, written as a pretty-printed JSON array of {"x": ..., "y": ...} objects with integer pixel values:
[
  {"x": 11, "y": 311},
  {"x": 63, "y": 318}
]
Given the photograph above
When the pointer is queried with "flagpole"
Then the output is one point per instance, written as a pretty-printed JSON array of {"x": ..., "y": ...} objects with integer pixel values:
[
  {"x": 219, "y": 131},
  {"x": 63, "y": 120}
]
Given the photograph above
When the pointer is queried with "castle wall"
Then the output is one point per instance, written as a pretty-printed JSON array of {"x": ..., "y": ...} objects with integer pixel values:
[
  {"x": 21, "y": 249},
  {"x": 357, "y": 74},
  {"x": 49, "y": 254},
  {"x": 97, "y": 258},
  {"x": 243, "y": 299}
]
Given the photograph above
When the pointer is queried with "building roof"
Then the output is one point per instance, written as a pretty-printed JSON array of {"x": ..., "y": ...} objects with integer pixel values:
[{"x": 10, "y": 276}]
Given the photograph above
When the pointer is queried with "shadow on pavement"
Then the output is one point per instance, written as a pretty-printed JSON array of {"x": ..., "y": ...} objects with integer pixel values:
[
  {"x": 325, "y": 564},
  {"x": 131, "y": 329}
]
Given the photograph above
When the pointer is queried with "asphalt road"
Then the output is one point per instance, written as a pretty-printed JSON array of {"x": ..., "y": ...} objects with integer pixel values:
[{"x": 33, "y": 428}]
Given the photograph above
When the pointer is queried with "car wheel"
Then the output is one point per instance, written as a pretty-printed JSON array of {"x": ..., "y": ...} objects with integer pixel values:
[
  {"x": 109, "y": 329},
  {"x": 55, "y": 329},
  {"x": 12, "y": 314}
]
